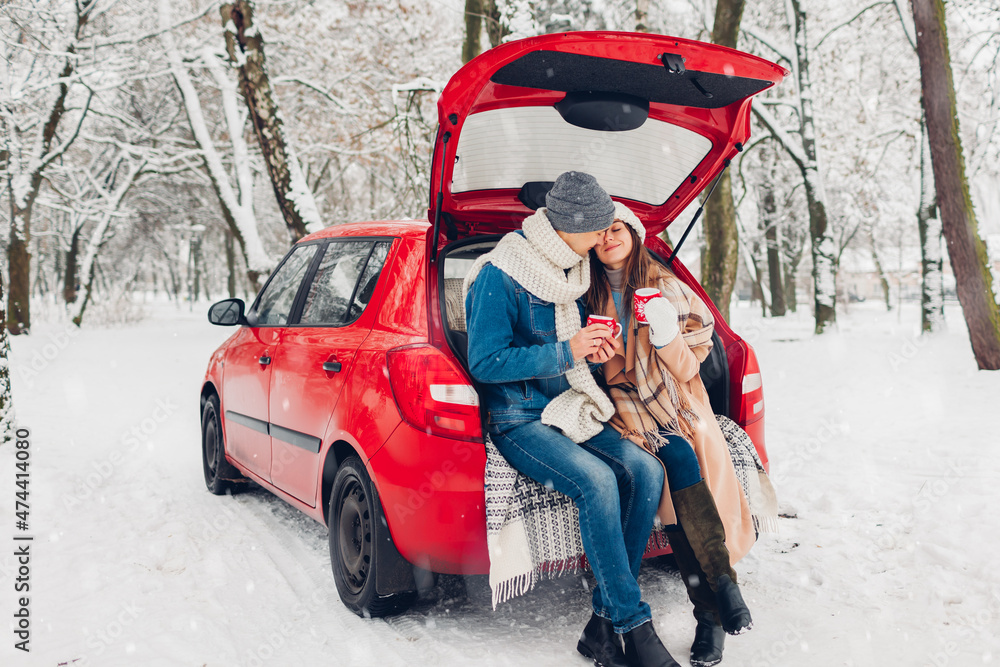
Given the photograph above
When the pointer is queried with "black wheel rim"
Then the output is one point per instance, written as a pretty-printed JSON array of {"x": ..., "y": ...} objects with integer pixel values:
[
  {"x": 354, "y": 535},
  {"x": 211, "y": 445}
]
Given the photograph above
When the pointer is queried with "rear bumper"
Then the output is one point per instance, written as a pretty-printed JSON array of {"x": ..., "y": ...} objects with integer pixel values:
[{"x": 432, "y": 494}]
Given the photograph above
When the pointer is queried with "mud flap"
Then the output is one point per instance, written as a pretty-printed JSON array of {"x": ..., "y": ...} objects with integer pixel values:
[{"x": 393, "y": 573}]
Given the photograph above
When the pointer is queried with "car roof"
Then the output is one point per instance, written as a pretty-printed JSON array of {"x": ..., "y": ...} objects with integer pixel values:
[{"x": 403, "y": 228}]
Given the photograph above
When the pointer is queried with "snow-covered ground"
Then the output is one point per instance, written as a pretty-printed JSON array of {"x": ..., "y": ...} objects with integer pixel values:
[{"x": 884, "y": 451}]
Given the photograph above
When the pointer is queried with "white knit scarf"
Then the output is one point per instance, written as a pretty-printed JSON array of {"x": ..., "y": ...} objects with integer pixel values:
[{"x": 538, "y": 262}]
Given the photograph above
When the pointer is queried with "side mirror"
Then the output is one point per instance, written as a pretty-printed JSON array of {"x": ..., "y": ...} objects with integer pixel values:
[{"x": 227, "y": 313}]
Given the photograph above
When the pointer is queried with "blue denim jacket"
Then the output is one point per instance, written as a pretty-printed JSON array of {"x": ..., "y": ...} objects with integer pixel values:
[{"x": 513, "y": 350}]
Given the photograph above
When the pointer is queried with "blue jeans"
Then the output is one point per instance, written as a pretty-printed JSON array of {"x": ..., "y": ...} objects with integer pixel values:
[
  {"x": 616, "y": 486},
  {"x": 683, "y": 469}
]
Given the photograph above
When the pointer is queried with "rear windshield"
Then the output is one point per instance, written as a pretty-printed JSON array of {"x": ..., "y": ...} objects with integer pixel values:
[{"x": 506, "y": 148}]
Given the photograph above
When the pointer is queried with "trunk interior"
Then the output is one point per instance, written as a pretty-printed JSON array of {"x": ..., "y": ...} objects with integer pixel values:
[{"x": 454, "y": 263}]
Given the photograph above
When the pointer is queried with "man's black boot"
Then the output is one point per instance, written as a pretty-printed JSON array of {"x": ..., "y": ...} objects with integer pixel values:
[
  {"x": 600, "y": 643},
  {"x": 643, "y": 648},
  {"x": 709, "y": 639}
]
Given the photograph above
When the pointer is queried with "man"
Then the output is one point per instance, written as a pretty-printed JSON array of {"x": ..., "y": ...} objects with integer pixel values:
[{"x": 546, "y": 414}]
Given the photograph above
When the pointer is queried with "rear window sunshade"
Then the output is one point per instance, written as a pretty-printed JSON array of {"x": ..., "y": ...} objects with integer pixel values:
[
  {"x": 567, "y": 72},
  {"x": 506, "y": 148}
]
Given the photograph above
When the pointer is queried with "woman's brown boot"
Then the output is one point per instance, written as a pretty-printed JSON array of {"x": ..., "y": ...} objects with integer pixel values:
[{"x": 699, "y": 519}]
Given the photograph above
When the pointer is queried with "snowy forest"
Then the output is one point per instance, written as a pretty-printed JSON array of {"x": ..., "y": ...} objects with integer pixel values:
[
  {"x": 156, "y": 157},
  {"x": 132, "y": 167}
]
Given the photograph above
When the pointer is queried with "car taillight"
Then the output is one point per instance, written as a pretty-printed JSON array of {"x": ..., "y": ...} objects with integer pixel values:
[
  {"x": 432, "y": 393},
  {"x": 752, "y": 403}
]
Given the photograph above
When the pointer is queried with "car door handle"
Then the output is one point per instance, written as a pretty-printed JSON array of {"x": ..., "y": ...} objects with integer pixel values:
[
  {"x": 265, "y": 360},
  {"x": 331, "y": 366}
]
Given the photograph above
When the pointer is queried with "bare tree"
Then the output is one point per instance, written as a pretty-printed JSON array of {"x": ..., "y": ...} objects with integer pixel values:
[
  {"x": 72, "y": 255},
  {"x": 793, "y": 244},
  {"x": 72, "y": 194},
  {"x": 804, "y": 151},
  {"x": 122, "y": 175},
  {"x": 969, "y": 260},
  {"x": 6, "y": 399},
  {"x": 642, "y": 15},
  {"x": 245, "y": 46},
  {"x": 879, "y": 271},
  {"x": 495, "y": 29},
  {"x": 353, "y": 153},
  {"x": 130, "y": 136},
  {"x": 415, "y": 121},
  {"x": 236, "y": 202},
  {"x": 758, "y": 173},
  {"x": 768, "y": 211},
  {"x": 928, "y": 221},
  {"x": 751, "y": 246},
  {"x": 25, "y": 164},
  {"x": 720, "y": 256},
  {"x": 472, "y": 47},
  {"x": 929, "y": 226}
]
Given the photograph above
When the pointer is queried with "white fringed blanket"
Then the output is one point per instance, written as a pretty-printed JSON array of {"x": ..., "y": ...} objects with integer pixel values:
[
  {"x": 533, "y": 532},
  {"x": 750, "y": 471}
]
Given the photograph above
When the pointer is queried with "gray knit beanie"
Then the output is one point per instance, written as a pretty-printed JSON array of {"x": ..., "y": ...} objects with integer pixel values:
[{"x": 577, "y": 204}]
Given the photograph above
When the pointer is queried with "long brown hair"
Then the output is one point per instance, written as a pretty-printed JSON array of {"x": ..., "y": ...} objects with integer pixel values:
[{"x": 638, "y": 274}]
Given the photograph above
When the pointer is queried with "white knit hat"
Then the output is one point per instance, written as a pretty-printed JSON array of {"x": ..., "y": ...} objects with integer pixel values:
[{"x": 625, "y": 214}]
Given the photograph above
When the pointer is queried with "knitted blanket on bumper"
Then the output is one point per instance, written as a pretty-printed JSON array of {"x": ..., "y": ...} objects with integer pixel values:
[
  {"x": 750, "y": 471},
  {"x": 533, "y": 532}
]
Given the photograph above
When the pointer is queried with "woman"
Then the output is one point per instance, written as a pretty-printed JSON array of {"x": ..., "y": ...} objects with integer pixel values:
[{"x": 661, "y": 404}]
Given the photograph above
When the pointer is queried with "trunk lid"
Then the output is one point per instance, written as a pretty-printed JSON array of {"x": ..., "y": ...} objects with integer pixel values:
[{"x": 653, "y": 118}]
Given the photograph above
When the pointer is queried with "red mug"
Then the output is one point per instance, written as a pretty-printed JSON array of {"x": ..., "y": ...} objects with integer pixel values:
[
  {"x": 610, "y": 322},
  {"x": 641, "y": 297}
]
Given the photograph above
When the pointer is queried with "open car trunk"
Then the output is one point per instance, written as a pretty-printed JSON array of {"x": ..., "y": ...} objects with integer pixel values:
[{"x": 654, "y": 118}]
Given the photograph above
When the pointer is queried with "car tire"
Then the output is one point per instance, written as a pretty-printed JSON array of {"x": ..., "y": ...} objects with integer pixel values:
[
  {"x": 221, "y": 476},
  {"x": 352, "y": 518}
]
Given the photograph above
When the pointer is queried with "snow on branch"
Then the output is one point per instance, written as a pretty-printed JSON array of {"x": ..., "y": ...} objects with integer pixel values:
[
  {"x": 98, "y": 236},
  {"x": 316, "y": 88},
  {"x": 783, "y": 50},
  {"x": 518, "y": 17},
  {"x": 786, "y": 140},
  {"x": 779, "y": 103},
  {"x": 61, "y": 148},
  {"x": 906, "y": 19},
  {"x": 156, "y": 33},
  {"x": 235, "y": 122},
  {"x": 245, "y": 47},
  {"x": 241, "y": 212},
  {"x": 418, "y": 84},
  {"x": 853, "y": 19}
]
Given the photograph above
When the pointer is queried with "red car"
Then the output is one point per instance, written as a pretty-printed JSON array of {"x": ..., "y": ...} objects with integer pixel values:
[{"x": 344, "y": 390}]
